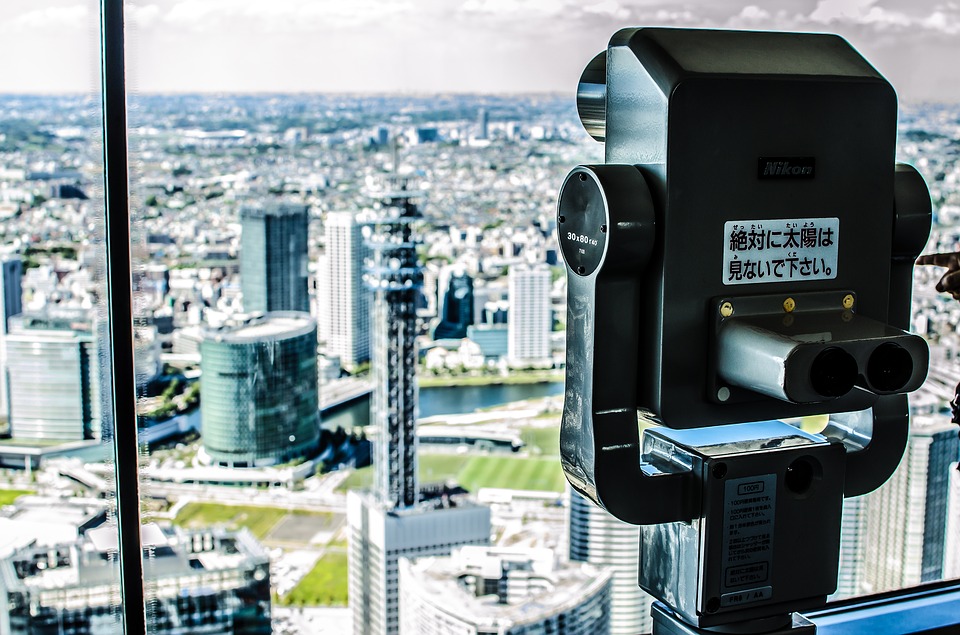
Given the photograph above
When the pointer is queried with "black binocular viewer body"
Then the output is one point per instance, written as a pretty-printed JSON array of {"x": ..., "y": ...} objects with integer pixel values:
[{"x": 745, "y": 254}]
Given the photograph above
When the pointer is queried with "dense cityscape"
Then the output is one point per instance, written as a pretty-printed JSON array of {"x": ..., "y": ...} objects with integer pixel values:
[{"x": 313, "y": 275}]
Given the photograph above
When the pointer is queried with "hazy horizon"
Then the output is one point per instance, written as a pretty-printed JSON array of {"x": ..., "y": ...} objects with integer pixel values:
[{"x": 502, "y": 47}]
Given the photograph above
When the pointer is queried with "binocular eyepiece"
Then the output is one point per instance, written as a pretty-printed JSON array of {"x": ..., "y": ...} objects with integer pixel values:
[{"x": 820, "y": 355}]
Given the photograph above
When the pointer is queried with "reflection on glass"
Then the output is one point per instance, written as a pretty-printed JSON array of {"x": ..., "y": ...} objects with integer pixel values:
[
  {"x": 246, "y": 525},
  {"x": 58, "y": 535}
]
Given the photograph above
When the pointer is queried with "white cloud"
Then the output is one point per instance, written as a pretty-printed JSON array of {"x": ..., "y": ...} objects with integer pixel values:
[
  {"x": 828, "y": 11},
  {"x": 470, "y": 44},
  {"x": 944, "y": 22},
  {"x": 49, "y": 19},
  {"x": 282, "y": 15},
  {"x": 753, "y": 13},
  {"x": 609, "y": 8},
  {"x": 517, "y": 9},
  {"x": 943, "y": 19},
  {"x": 143, "y": 16}
]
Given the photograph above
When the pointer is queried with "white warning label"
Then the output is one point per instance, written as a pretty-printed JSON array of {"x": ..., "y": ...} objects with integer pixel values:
[
  {"x": 783, "y": 250},
  {"x": 749, "y": 507}
]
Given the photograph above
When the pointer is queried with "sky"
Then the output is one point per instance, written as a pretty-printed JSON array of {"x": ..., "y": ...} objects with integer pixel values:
[{"x": 429, "y": 46}]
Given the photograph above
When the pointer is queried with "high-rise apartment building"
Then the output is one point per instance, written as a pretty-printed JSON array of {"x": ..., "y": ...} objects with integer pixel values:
[
  {"x": 258, "y": 397},
  {"x": 905, "y": 533},
  {"x": 530, "y": 318},
  {"x": 951, "y": 547},
  {"x": 11, "y": 276},
  {"x": 344, "y": 301},
  {"x": 507, "y": 591},
  {"x": 273, "y": 258},
  {"x": 853, "y": 529},
  {"x": 54, "y": 376},
  {"x": 483, "y": 124},
  {"x": 598, "y": 538},
  {"x": 392, "y": 521}
]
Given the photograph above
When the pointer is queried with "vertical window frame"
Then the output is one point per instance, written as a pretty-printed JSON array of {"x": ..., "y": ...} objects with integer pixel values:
[{"x": 119, "y": 283}]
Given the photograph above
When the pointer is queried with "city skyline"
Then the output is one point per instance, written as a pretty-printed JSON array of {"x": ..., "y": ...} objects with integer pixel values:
[
  {"x": 435, "y": 45},
  {"x": 488, "y": 209}
]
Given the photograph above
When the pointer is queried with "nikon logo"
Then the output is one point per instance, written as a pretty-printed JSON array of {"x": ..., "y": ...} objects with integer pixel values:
[{"x": 786, "y": 167}]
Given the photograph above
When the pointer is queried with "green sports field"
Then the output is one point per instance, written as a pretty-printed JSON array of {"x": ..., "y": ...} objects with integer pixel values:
[
  {"x": 325, "y": 585},
  {"x": 512, "y": 473},
  {"x": 474, "y": 472},
  {"x": 259, "y": 520}
]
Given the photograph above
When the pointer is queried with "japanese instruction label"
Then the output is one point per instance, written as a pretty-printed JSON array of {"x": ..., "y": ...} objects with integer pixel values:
[
  {"x": 783, "y": 250},
  {"x": 749, "y": 506}
]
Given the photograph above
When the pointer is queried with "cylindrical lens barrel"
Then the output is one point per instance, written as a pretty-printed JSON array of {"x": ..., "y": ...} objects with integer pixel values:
[
  {"x": 592, "y": 97},
  {"x": 833, "y": 372},
  {"x": 889, "y": 367}
]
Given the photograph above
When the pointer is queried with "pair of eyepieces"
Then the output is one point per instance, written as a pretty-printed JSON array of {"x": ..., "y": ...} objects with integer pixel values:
[{"x": 834, "y": 372}]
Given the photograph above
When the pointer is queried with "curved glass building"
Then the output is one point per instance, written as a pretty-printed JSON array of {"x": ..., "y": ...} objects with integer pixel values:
[{"x": 258, "y": 393}]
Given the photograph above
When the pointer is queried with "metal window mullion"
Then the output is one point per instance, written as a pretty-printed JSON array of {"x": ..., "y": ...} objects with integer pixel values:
[{"x": 120, "y": 310}]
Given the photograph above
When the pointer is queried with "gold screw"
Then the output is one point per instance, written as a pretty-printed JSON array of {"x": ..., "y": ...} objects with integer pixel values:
[
  {"x": 726, "y": 309},
  {"x": 848, "y": 301},
  {"x": 789, "y": 305}
]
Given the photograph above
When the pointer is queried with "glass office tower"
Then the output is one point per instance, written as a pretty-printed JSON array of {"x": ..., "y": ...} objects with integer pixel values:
[
  {"x": 273, "y": 258},
  {"x": 259, "y": 391}
]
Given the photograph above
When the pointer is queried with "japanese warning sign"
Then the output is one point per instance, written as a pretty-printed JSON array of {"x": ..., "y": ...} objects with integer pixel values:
[
  {"x": 749, "y": 508},
  {"x": 783, "y": 250}
]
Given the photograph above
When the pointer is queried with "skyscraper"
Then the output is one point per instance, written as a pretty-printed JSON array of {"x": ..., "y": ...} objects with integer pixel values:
[
  {"x": 273, "y": 258},
  {"x": 602, "y": 540},
  {"x": 392, "y": 521},
  {"x": 456, "y": 307},
  {"x": 396, "y": 277},
  {"x": 906, "y": 524},
  {"x": 530, "y": 315},
  {"x": 259, "y": 391},
  {"x": 11, "y": 277},
  {"x": 483, "y": 124},
  {"x": 54, "y": 376},
  {"x": 380, "y": 536},
  {"x": 853, "y": 537},
  {"x": 345, "y": 301}
]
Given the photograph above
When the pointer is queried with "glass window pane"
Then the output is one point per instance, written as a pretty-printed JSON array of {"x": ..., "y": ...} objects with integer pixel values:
[
  {"x": 58, "y": 531},
  {"x": 269, "y": 143}
]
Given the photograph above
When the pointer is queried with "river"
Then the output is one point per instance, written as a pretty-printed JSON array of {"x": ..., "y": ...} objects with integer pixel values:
[{"x": 447, "y": 400}]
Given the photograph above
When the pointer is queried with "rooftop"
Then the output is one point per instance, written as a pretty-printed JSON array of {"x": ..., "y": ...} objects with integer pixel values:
[
  {"x": 268, "y": 326},
  {"x": 536, "y": 587},
  {"x": 170, "y": 553}
]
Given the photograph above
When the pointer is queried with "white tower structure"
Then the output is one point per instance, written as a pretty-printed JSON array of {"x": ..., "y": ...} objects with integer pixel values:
[{"x": 395, "y": 520}]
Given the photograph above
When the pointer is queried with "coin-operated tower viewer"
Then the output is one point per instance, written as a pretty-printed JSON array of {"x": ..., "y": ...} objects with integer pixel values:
[{"x": 743, "y": 257}]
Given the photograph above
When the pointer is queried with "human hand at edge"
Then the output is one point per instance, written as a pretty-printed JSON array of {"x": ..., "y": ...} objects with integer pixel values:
[{"x": 950, "y": 281}]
